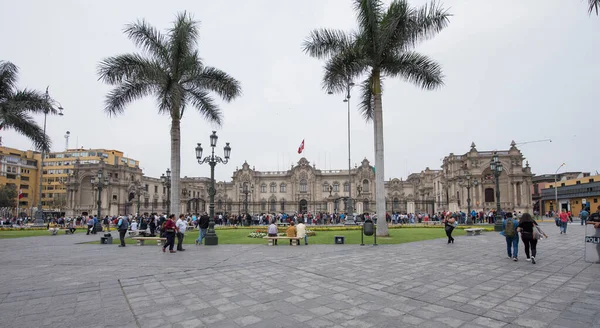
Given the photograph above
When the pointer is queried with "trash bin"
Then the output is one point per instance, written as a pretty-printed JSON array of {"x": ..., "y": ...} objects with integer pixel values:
[
  {"x": 339, "y": 239},
  {"x": 105, "y": 240},
  {"x": 592, "y": 244}
]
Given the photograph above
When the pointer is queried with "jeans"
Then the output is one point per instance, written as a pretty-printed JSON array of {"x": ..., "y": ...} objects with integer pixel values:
[
  {"x": 305, "y": 239},
  {"x": 180, "y": 237},
  {"x": 512, "y": 246},
  {"x": 201, "y": 235},
  {"x": 563, "y": 226},
  {"x": 122, "y": 236},
  {"x": 583, "y": 221}
]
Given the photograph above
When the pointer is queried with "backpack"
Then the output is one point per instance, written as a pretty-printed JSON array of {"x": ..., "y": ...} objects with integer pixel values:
[{"x": 509, "y": 229}]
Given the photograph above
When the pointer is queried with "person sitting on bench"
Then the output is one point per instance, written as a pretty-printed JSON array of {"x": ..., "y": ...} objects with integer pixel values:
[
  {"x": 53, "y": 227},
  {"x": 71, "y": 227},
  {"x": 272, "y": 231},
  {"x": 291, "y": 231}
]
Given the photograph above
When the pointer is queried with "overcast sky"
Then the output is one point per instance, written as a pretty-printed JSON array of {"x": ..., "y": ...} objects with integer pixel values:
[{"x": 522, "y": 70}]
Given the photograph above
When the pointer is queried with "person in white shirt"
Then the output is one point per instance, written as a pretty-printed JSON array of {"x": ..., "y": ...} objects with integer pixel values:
[
  {"x": 301, "y": 231},
  {"x": 134, "y": 225},
  {"x": 181, "y": 225}
]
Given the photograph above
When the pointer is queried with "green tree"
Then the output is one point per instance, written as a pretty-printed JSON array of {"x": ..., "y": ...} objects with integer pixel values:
[
  {"x": 593, "y": 5},
  {"x": 381, "y": 47},
  {"x": 170, "y": 69},
  {"x": 8, "y": 196},
  {"x": 16, "y": 107}
]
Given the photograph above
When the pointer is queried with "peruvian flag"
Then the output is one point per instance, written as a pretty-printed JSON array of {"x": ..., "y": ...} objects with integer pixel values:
[
  {"x": 20, "y": 193},
  {"x": 301, "y": 148}
]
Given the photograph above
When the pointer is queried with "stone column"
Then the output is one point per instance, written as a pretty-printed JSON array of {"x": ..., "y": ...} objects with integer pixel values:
[
  {"x": 480, "y": 198},
  {"x": 514, "y": 184}
]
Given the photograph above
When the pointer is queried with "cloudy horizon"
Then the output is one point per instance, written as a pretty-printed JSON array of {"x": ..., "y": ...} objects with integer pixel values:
[{"x": 522, "y": 72}]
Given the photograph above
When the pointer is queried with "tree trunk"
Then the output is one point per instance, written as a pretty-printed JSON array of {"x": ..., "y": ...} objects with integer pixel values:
[
  {"x": 382, "y": 228},
  {"x": 175, "y": 165}
]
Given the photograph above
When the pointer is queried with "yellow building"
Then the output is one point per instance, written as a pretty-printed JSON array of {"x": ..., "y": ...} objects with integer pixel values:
[
  {"x": 573, "y": 195},
  {"x": 58, "y": 165},
  {"x": 20, "y": 169}
]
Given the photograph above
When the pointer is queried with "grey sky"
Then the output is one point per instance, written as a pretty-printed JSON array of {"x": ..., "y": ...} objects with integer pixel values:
[{"x": 522, "y": 70}]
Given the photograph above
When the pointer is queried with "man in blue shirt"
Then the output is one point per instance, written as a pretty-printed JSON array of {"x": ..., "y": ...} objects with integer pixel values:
[
  {"x": 584, "y": 215},
  {"x": 509, "y": 230}
]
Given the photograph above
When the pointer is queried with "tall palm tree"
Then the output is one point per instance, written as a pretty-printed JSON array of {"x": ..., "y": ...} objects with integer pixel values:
[
  {"x": 593, "y": 5},
  {"x": 380, "y": 48},
  {"x": 16, "y": 107},
  {"x": 170, "y": 69}
]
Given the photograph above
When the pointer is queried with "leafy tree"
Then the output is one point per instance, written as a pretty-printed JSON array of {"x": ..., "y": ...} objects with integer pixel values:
[
  {"x": 381, "y": 47},
  {"x": 169, "y": 69},
  {"x": 16, "y": 107},
  {"x": 8, "y": 195}
]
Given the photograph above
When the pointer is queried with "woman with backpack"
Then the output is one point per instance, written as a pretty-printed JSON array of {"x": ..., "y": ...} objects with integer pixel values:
[{"x": 530, "y": 233}]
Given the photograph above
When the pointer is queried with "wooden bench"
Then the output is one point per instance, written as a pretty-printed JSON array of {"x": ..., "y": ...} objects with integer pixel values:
[
  {"x": 295, "y": 240},
  {"x": 140, "y": 240},
  {"x": 474, "y": 231}
]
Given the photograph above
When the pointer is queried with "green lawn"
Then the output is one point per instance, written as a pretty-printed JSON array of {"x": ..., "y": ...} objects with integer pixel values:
[
  {"x": 397, "y": 236},
  {"x": 29, "y": 233}
]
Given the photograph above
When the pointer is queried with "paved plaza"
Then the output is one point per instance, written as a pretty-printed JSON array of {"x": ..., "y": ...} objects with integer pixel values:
[{"x": 59, "y": 282}]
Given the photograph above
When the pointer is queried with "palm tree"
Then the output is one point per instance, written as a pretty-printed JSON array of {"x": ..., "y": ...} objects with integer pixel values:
[
  {"x": 16, "y": 107},
  {"x": 593, "y": 5},
  {"x": 170, "y": 69},
  {"x": 380, "y": 48}
]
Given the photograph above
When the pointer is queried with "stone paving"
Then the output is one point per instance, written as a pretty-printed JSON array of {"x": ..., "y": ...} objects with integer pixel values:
[{"x": 58, "y": 282}]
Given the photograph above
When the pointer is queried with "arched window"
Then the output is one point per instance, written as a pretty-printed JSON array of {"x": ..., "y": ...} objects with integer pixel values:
[
  {"x": 282, "y": 187},
  {"x": 366, "y": 205},
  {"x": 272, "y": 205},
  {"x": 263, "y": 205},
  {"x": 219, "y": 204},
  {"x": 346, "y": 186},
  {"x": 325, "y": 187},
  {"x": 303, "y": 186},
  {"x": 336, "y": 187},
  {"x": 146, "y": 202},
  {"x": 365, "y": 185},
  {"x": 229, "y": 206},
  {"x": 283, "y": 205},
  {"x": 395, "y": 203},
  {"x": 263, "y": 188},
  {"x": 273, "y": 187},
  {"x": 489, "y": 195}
]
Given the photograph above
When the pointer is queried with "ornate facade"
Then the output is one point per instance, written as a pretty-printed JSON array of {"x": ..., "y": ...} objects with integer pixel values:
[{"x": 305, "y": 188}]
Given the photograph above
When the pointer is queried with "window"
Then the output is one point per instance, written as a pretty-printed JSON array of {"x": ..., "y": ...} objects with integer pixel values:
[
  {"x": 395, "y": 203},
  {"x": 11, "y": 176},
  {"x": 595, "y": 200},
  {"x": 325, "y": 187},
  {"x": 156, "y": 189},
  {"x": 114, "y": 197},
  {"x": 219, "y": 204},
  {"x": 591, "y": 180},
  {"x": 489, "y": 195},
  {"x": 346, "y": 186},
  {"x": 303, "y": 186},
  {"x": 25, "y": 194},
  {"x": 578, "y": 182},
  {"x": 562, "y": 184},
  {"x": 273, "y": 187},
  {"x": 24, "y": 186},
  {"x": 366, "y": 205},
  {"x": 164, "y": 190},
  {"x": 272, "y": 206},
  {"x": 263, "y": 189},
  {"x": 283, "y": 205},
  {"x": 336, "y": 187},
  {"x": 146, "y": 187},
  {"x": 263, "y": 204},
  {"x": 365, "y": 186},
  {"x": 282, "y": 187},
  {"x": 146, "y": 202}
]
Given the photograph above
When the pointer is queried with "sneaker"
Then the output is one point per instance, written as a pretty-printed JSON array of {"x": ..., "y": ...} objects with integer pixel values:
[
  {"x": 515, "y": 259},
  {"x": 528, "y": 259},
  {"x": 509, "y": 257},
  {"x": 533, "y": 260}
]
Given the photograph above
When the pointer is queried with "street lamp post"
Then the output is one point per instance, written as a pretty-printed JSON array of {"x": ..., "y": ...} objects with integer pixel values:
[
  {"x": 212, "y": 160},
  {"x": 557, "y": 210},
  {"x": 246, "y": 191},
  {"x": 100, "y": 181},
  {"x": 39, "y": 214},
  {"x": 349, "y": 203},
  {"x": 468, "y": 182},
  {"x": 166, "y": 181},
  {"x": 496, "y": 168}
]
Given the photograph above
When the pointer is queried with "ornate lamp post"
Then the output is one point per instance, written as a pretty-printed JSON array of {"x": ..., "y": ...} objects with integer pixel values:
[
  {"x": 39, "y": 214},
  {"x": 468, "y": 182},
  {"x": 245, "y": 190},
  {"x": 558, "y": 209},
  {"x": 100, "y": 181},
  {"x": 166, "y": 181},
  {"x": 212, "y": 160},
  {"x": 139, "y": 190},
  {"x": 496, "y": 168}
]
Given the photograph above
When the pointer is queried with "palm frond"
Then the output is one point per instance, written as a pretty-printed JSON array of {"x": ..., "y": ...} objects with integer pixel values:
[
  {"x": 183, "y": 39},
  {"x": 594, "y": 5},
  {"x": 366, "y": 106},
  {"x": 148, "y": 38},
  {"x": 416, "y": 68},
  {"x": 125, "y": 93},
  {"x": 215, "y": 80},
  {"x": 24, "y": 124},
  {"x": 8, "y": 78},
  {"x": 323, "y": 43},
  {"x": 340, "y": 68},
  {"x": 426, "y": 22},
  {"x": 369, "y": 14},
  {"x": 114, "y": 70},
  {"x": 201, "y": 100},
  {"x": 31, "y": 101}
]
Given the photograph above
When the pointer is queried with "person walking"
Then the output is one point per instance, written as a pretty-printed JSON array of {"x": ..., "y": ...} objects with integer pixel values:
[
  {"x": 509, "y": 229},
  {"x": 122, "y": 225},
  {"x": 169, "y": 230},
  {"x": 203, "y": 226},
  {"x": 583, "y": 215},
  {"x": 530, "y": 233},
  {"x": 181, "y": 228},
  {"x": 449, "y": 222},
  {"x": 564, "y": 220}
]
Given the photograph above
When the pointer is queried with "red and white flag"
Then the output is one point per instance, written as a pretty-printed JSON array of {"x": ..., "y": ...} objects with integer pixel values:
[
  {"x": 20, "y": 193},
  {"x": 301, "y": 148}
]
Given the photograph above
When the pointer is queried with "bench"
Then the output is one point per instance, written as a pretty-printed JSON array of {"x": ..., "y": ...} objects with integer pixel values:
[
  {"x": 140, "y": 240},
  {"x": 284, "y": 224},
  {"x": 474, "y": 231},
  {"x": 295, "y": 240}
]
